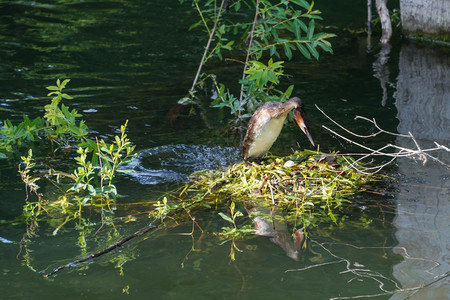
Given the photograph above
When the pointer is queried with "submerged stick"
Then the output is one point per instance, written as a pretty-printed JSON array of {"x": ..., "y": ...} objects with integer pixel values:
[
  {"x": 144, "y": 230},
  {"x": 104, "y": 251}
]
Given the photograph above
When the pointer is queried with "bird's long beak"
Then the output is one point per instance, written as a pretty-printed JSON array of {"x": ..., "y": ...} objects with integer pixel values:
[{"x": 301, "y": 123}]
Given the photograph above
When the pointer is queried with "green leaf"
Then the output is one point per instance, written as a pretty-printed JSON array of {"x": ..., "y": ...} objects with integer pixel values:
[
  {"x": 228, "y": 45},
  {"x": 302, "y": 25},
  {"x": 273, "y": 50},
  {"x": 219, "y": 55},
  {"x": 195, "y": 25},
  {"x": 313, "y": 51},
  {"x": 332, "y": 216},
  {"x": 287, "y": 51},
  {"x": 303, "y": 50},
  {"x": 226, "y": 218},
  {"x": 274, "y": 33},
  {"x": 287, "y": 93},
  {"x": 311, "y": 7},
  {"x": 272, "y": 77},
  {"x": 310, "y": 31},
  {"x": 314, "y": 17},
  {"x": 237, "y": 6},
  {"x": 238, "y": 214},
  {"x": 326, "y": 46},
  {"x": 297, "y": 28},
  {"x": 63, "y": 84},
  {"x": 65, "y": 96},
  {"x": 302, "y": 3}
]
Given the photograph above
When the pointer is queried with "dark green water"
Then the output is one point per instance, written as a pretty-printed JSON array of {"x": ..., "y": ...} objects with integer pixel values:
[{"x": 133, "y": 60}]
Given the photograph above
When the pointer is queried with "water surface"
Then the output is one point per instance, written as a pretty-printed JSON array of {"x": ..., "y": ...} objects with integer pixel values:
[{"x": 134, "y": 60}]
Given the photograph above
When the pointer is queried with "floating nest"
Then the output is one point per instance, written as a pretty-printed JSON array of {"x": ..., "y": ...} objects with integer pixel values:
[{"x": 305, "y": 184}]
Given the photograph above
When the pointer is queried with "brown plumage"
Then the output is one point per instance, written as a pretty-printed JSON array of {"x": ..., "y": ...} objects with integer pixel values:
[{"x": 266, "y": 124}]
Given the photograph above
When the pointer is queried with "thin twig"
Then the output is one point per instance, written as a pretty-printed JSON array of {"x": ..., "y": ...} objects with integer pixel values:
[
  {"x": 211, "y": 35},
  {"x": 255, "y": 19},
  {"x": 374, "y": 122},
  {"x": 421, "y": 154}
]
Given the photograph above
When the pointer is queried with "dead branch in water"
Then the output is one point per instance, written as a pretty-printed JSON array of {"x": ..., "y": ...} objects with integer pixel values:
[
  {"x": 104, "y": 251},
  {"x": 419, "y": 153},
  {"x": 116, "y": 245}
]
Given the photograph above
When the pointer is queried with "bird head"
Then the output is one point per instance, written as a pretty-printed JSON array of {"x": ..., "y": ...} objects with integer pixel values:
[{"x": 301, "y": 119}]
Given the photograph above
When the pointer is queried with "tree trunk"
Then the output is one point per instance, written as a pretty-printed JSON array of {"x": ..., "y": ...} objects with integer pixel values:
[
  {"x": 425, "y": 17},
  {"x": 386, "y": 27}
]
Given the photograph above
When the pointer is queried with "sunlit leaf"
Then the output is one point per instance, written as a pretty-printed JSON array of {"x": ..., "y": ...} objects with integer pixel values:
[{"x": 66, "y": 96}]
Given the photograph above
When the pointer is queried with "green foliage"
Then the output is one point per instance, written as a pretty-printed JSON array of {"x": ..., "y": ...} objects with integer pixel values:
[
  {"x": 262, "y": 74},
  {"x": 161, "y": 209},
  {"x": 111, "y": 156},
  {"x": 11, "y": 135},
  {"x": 277, "y": 28},
  {"x": 90, "y": 184},
  {"x": 59, "y": 124},
  {"x": 285, "y": 26},
  {"x": 30, "y": 182},
  {"x": 314, "y": 189},
  {"x": 92, "y": 181},
  {"x": 234, "y": 232}
]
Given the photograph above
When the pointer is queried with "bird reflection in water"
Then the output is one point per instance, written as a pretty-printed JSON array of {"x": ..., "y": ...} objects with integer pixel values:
[{"x": 263, "y": 129}]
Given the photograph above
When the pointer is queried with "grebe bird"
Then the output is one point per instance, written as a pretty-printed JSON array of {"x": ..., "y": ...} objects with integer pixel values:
[{"x": 265, "y": 126}]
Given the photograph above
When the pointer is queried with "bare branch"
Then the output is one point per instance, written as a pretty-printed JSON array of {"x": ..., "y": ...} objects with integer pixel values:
[
  {"x": 255, "y": 19},
  {"x": 211, "y": 36},
  {"x": 419, "y": 153}
]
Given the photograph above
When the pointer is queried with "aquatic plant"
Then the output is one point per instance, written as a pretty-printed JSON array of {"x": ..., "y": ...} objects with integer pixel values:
[
  {"x": 60, "y": 125},
  {"x": 88, "y": 184},
  {"x": 311, "y": 186},
  {"x": 276, "y": 28}
]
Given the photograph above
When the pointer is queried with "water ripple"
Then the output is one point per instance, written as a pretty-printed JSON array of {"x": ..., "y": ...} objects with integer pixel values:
[{"x": 174, "y": 163}]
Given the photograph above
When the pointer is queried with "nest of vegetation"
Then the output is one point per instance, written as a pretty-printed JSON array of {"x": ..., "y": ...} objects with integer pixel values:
[{"x": 306, "y": 184}]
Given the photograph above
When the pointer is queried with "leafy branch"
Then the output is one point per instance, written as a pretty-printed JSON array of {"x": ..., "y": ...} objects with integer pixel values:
[
  {"x": 59, "y": 125},
  {"x": 275, "y": 26}
]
